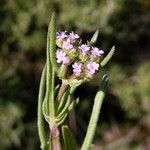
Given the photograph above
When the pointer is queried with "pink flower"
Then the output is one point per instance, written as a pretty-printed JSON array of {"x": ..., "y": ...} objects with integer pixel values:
[
  {"x": 96, "y": 52},
  {"x": 61, "y": 35},
  {"x": 92, "y": 67},
  {"x": 73, "y": 36},
  {"x": 84, "y": 49},
  {"x": 77, "y": 68},
  {"x": 62, "y": 57},
  {"x": 67, "y": 45}
]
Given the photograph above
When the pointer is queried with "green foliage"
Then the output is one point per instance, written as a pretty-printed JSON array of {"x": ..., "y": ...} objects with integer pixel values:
[
  {"x": 11, "y": 127},
  {"x": 133, "y": 92}
]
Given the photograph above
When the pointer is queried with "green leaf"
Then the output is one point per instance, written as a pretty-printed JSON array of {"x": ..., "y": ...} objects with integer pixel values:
[
  {"x": 48, "y": 73},
  {"x": 73, "y": 104},
  {"x": 45, "y": 111},
  {"x": 65, "y": 108},
  {"x": 63, "y": 101},
  {"x": 41, "y": 126},
  {"x": 51, "y": 48},
  {"x": 94, "y": 38},
  {"x": 61, "y": 119},
  {"x": 108, "y": 57},
  {"x": 68, "y": 138},
  {"x": 53, "y": 42},
  {"x": 64, "y": 112},
  {"x": 95, "y": 114}
]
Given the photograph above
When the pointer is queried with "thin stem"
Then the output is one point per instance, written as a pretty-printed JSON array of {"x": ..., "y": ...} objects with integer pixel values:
[
  {"x": 62, "y": 90},
  {"x": 55, "y": 139}
]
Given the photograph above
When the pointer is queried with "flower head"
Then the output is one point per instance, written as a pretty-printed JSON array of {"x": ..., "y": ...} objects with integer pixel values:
[
  {"x": 77, "y": 68},
  {"x": 62, "y": 57},
  {"x": 92, "y": 67},
  {"x": 83, "y": 58},
  {"x": 96, "y": 52}
]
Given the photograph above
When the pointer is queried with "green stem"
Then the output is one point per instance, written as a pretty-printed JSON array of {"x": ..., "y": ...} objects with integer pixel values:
[
  {"x": 95, "y": 115},
  {"x": 62, "y": 90},
  {"x": 41, "y": 129}
]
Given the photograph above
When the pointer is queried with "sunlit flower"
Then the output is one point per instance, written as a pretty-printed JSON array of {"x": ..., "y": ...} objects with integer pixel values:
[{"x": 62, "y": 57}]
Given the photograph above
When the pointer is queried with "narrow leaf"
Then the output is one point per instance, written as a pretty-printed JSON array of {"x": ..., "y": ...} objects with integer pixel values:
[
  {"x": 45, "y": 111},
  {"x": 41, "y": 126},
  {"x": 51, "y": 48},
  {"x": 94, "y": 38},
  {"x": 53, "y": 42},
  {"x": 65, "y": 108},
  {"x": 61, "y": 119},
  {"x": 63, "y": 101},
  {"x": 48, "y": 72},
  {"x": 108, "y": 57},
  {"x": 95, "y": 114},
  {"x": 73, "y": 104},
  {"x": 68, "y": 138}
]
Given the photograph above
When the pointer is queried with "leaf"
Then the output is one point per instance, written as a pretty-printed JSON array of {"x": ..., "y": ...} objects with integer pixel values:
[
  {"x": 94, "y": 38},
  {"x": 51, "y": 48},
  {"x": 73, "y": 104},
  {"x": 63, "y": 114},
  {"x": 41, "y": 126},
  {"x": 68, "y": 138},
  {"x": 65, "y": 108},
  {"x": 108, "y": 57},
  {"x": 63, "y": 101},
  {"x": 53, "y": 42},
  {"x": 61, "y": 120},
  {"x": 95, "y": 114},
  {"x": 48, "y": 73},
  {"x": 45, "y": 111},
  {"x": 56, "y": 89}
]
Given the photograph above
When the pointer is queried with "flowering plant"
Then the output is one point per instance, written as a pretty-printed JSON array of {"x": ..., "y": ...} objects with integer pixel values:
[{"x": 74, "y": 63}]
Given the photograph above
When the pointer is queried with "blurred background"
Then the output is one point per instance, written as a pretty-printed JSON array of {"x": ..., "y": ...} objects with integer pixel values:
[{"x": 124, "y": 122}]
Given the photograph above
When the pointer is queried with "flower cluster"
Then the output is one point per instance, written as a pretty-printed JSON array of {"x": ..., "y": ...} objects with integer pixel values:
[{"x": 83, "y": 58}]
